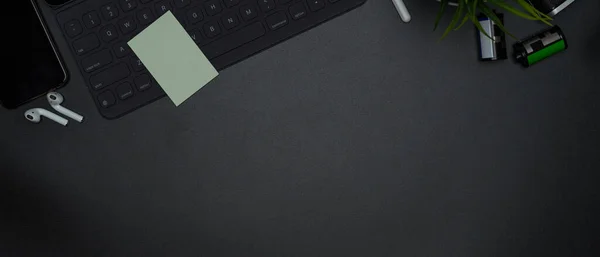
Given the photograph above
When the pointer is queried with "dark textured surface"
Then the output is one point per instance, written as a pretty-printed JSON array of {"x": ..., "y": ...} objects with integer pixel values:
[{"x": 362, "y": 137}]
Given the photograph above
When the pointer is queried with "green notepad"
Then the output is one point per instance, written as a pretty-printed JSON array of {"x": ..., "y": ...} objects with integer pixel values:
[{"x": 173, "y": 58}]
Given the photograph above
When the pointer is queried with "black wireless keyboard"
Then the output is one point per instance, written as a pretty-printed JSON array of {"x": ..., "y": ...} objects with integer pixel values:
[{"x": 227, "y": 31}]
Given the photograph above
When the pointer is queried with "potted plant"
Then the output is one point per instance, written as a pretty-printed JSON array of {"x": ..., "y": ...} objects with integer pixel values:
[{"x": 468, "y": 10}]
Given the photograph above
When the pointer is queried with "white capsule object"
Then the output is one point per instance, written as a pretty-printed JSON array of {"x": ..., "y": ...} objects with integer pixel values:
[{"x": 402, "y": 10}]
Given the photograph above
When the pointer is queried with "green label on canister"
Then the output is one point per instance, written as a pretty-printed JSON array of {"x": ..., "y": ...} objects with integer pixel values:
[{"x": 546, "y": 52}]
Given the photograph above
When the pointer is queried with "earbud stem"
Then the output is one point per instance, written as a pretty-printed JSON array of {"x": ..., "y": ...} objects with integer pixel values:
[
  {"x": 68, "y": 113},
  {"x": 54, "y": 117}
]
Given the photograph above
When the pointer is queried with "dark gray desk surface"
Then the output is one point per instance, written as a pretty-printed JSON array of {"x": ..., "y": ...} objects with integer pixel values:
[{"x": 362, "y": 137}]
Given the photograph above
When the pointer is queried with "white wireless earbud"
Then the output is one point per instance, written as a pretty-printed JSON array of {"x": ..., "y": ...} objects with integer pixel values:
[
  {"x": 55, "y": 99},
  {"x": 35, "y": 116}
]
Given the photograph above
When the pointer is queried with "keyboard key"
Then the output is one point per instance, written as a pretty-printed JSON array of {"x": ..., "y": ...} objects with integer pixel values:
[
  {"x": 180, "y": 16},
  {"x": 109, "y": 33},
  {"x": 181, "y": 3},
  {"x": 137, "y": 64},
  {"x": 266, "y": 5},
  {"x": 128, "y": 5},
  {"x": 211, "y": 29},
  {"x": 231, "y": 3},
  {"x": 146, "y": 1},
  {"x": 248, "y": 12},
  {"x": 96, "y": 60},
  {"x": 109, "y": 76},
  {"x": 316, "y": 5},
  {"x": 277, "y": 20},
  {"x": 91, "y": 20},
  {"x": 195, "y": 15},
  {"x": 121, "y": 49},
  {"x": 86, "y": 44},
  {"x": 143, "y": 82},
  {"x": 107, "y": 99},
  {"x": 233, "y": 40},
  {"x": 230, "y": 21},
  {"x": 284, "y": 1},
  {"x": 333, "y": 1},
  {"x": 73, "y": 28},
  {"x": 124, "y": 91},
  {"x": 162, "y": 7},
  {"x": 127, "y": 25},
  {"x": 109, "y": 12},
  {"x": 145, "y": 16},
  {"x": 212, "y": 7},
  {"x": 195, "y": 35},
  {"x": 298, "y": 11}
]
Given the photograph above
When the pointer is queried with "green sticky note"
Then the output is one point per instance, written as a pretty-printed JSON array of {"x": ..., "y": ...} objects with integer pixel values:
[{"x": 173, "y": 58}]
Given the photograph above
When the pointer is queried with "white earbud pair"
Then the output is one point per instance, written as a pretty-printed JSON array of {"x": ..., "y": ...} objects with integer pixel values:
[{"x": 55, "y": 99}]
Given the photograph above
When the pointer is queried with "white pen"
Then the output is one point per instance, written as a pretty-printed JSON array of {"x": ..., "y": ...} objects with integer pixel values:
[{"x": 401, "y": 7}]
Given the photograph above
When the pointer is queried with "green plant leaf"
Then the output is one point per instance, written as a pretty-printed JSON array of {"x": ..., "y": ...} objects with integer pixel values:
[
  {"x": 490, "y": 14},
  {"x": 533, "y": 11},
  {"x": 476, "y": 22},
  {"x": 545, "y": 16},
  {"x": 528, "y": 4},
  {"x": 443, "y": 5},
  {"x": 455, "y": 18},
  {"x": 513, "y": 10},
  {"x": 460, "y": 11},
  {"x": 474, "y": 9},
  {"x": 473, "y": 16},
  {"x": 465, "y": 19}
]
